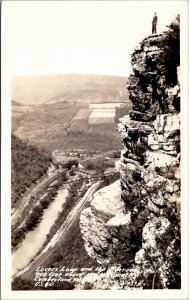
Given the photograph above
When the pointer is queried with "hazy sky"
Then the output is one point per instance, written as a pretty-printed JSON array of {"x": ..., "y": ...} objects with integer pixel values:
[{"x": 57, "y": 37}]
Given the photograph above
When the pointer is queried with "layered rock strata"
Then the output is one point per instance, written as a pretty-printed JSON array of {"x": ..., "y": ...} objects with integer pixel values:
[{"x": 135, "y": 222}]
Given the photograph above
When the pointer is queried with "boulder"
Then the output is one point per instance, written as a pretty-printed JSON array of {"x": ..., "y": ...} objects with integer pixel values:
[{"x": 106, "y": 202}]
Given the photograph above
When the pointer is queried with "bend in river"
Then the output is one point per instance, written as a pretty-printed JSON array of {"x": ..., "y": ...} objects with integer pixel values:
[{"x": 35, "y": 239}]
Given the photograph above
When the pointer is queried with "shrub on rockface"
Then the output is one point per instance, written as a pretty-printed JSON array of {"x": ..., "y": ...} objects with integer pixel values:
[{"x": 172, "y": 50}]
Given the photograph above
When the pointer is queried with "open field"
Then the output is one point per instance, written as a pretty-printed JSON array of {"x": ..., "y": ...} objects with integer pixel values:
[
  {"x": 69, "y": 111},
  {"x": 79, "y": 123},
  {"x": 82, "y": 114},
  {"x": 17, "y": 113},
  {"x": 78, "y": 126},
  {"x": 102, "y": 116},
  {"x": 47, "y": 121},
  {"x": 105, "y": 105},
  {"x": 69, "y": 126},
  {"x": 105, "y": 129}
]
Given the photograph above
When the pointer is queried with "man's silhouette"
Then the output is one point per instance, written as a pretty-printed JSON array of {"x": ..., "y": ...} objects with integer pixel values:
[{"x": 154, "y": 23}]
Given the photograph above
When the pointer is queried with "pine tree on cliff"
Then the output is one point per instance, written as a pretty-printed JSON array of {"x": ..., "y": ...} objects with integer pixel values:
[{"x": 172, "y": 49}]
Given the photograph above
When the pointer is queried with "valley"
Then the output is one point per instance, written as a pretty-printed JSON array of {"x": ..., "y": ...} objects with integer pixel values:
[
  {"x": 69, "y": 126},
  {"x": 74, "y": 120},
  {"x": 84, "y": 199},
  {"x": 56, "y": 225},
  {"x": 69, "y": 111}
]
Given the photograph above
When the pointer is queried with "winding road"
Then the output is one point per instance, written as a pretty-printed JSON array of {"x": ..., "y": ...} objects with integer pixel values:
[
  {"x": 49, "y": 248},
  {"x": 25, "y": 201}
]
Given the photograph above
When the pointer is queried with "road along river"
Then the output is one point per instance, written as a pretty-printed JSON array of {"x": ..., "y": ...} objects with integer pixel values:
[
  {"x": 35, "y": 239},
  {"x": 23, "y": 206},
  {"x": 46, "y": 252}
]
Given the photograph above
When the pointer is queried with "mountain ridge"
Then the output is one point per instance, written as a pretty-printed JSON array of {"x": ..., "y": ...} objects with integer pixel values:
[{"x": 69, "y": 88}]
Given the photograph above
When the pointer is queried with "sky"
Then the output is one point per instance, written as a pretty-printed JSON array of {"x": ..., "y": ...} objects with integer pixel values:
[{"x": 59, "y": 37}]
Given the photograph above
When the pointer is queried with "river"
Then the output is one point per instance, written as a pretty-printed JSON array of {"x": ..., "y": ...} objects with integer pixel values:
[{"x": 35, "y": 239}]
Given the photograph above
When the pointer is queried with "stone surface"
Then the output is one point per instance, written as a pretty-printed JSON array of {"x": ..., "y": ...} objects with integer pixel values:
[
  {"x": 96, "y": 236},
  {"x": 135, "y": 222},
  {"x": 119, "y": 220},
  {"x": 106, "y": 202},
  {"x": 106, "y": 229},
  {"x": 136, "y": 115},
  {"x": 149, "y": 88},
  {"x": 154, "y": 257}
]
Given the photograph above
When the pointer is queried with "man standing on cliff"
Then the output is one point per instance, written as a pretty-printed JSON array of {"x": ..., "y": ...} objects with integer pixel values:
[{"x": 154, "y": 23}]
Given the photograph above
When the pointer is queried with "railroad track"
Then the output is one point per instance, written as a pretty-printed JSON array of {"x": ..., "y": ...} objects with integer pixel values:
[{"x": 49, "y": 248}]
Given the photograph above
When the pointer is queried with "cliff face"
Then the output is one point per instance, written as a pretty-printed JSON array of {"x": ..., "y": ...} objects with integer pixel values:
[
  {"x": 104, "y": 226},
  {"x": 136, "y": 221}
]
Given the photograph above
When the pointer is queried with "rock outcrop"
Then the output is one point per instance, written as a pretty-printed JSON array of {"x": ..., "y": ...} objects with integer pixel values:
[
  {"x": 135, "y": 222},
  {"x": 105, "y": 226}
]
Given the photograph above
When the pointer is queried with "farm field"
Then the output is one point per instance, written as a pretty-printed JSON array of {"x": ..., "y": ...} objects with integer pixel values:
[
  {"x": 17, "y": 113},
  {"x": 69, "y": 112},
  {"x": 69, "y": 126},
  {"x": 82, "y": 114},
  {"x": 79, "y": 123},
  {"x": 102, "y": 116},
  {"x": 104, "y": 105}
]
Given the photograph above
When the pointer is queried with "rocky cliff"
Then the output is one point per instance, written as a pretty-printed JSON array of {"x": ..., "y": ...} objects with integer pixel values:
[{"x": 135, "y": 222}]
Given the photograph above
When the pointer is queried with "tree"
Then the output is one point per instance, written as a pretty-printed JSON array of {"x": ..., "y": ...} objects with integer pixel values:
[
  {"x": 28, "y": 165},
  {"x": 34, "y": 217},
  {"x": 172, "y": 50}
]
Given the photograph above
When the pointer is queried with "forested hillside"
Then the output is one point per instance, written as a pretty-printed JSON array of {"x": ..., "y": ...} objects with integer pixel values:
[{"x": 28, "y": 165}]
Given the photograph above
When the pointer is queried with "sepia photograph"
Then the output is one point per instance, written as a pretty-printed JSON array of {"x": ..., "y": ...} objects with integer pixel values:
[{"x": 93, "y": 93}]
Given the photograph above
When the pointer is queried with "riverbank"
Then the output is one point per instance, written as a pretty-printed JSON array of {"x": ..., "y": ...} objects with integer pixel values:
[{"x": 35, "y": 239}]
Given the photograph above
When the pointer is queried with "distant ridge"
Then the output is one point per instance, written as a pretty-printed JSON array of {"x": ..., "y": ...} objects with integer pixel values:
[
  {"x": 16, "y": 103},
  {"x": 69, "y": 88}
]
